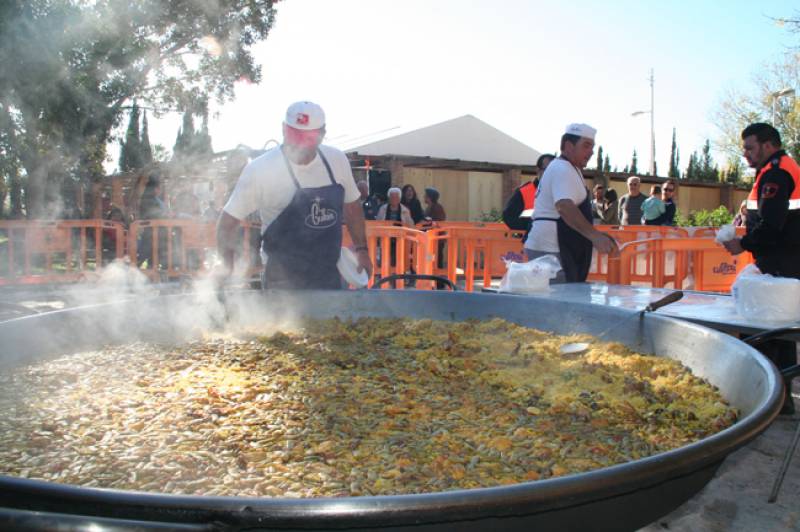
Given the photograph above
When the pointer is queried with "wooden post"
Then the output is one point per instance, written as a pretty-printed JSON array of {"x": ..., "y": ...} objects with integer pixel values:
[
  {"x": 511, "y": 180},
  {"x": 396, "y": 169}
]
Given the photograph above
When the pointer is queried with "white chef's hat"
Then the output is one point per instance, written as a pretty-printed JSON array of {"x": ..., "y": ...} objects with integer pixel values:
[{"x": 581, "y": 130}]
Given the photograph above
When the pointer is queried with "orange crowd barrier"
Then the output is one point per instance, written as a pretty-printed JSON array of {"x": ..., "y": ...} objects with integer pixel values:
[
  {"x": 480, "y": 253},
  {"x": 38, "y": 252},
  {"x": 711, "y": 266},
  {"x": 170, "y": 249},
  {"x": 65, "y": 251}
]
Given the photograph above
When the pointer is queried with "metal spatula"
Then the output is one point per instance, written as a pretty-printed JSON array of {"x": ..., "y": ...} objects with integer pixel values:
[{"x": 575, "y": 348}]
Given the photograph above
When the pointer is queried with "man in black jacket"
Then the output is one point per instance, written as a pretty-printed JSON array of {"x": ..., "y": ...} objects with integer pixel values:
[
  {"x": 523, "y": 199},
  {"x": 773, "y": 222}
]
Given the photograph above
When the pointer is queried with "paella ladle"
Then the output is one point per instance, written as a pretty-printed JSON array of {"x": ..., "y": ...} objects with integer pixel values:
[{"x": 576, "y": 348}]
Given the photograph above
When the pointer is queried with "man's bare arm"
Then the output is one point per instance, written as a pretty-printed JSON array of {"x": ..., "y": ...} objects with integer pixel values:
[
  {"x": 573, "y": 217},
  {"x": 354, "y": 218},
  {"x": 227, "y": 226}
]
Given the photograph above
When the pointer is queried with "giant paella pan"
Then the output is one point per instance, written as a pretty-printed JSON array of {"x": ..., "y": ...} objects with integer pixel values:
[{"x": 620, "y": 496}]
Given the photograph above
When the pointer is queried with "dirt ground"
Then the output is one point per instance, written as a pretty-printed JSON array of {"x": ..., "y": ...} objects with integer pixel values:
[
  {"x": 736, "y": 498},
  {"x": 734, "y": 501}
]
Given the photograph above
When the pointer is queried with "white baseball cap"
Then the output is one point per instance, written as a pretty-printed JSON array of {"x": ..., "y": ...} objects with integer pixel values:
[
  {"x": 305, "y": 116},
  {"x": 581, "y": 130}
]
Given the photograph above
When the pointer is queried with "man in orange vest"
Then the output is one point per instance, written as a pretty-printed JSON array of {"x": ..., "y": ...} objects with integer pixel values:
[
  {"x": 773, "y": 223},
  {"x": 773, "y": 206},
  {"x": 523, "y": 199}
]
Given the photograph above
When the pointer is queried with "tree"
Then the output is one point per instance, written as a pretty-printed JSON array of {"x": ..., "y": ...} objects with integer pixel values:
[
  {"x": 691, "y": 168},
  {"x": 69, "y": 67},
  {"x": 673, "y": 158},
  {"x": 737, "y": 109},
  {"x": 144, "y": 143},
  {"x": 733, "y": 171},
  {"x": 607, "y": 165},
  {"x": 634, "y": 169},
  {"x": 708, "y": 170},
  {"x": 600, "y": 159},
  {"x": 130, "y": 153}
]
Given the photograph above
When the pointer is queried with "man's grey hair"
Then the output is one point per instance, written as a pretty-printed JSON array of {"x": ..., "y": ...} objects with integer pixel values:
[
  {"x": 394, "y": 190},
  {"x": 633, "y": 178}
]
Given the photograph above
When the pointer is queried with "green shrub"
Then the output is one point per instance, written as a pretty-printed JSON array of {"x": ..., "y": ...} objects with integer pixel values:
[
  {"x": 705, "y": 218},
  {"x": 494, "y": 215}
]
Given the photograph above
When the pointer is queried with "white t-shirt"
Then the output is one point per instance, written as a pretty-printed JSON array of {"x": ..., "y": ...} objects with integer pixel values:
[
  {"x": 561, "y": 180},
  {"x": 266, "y": 185}
]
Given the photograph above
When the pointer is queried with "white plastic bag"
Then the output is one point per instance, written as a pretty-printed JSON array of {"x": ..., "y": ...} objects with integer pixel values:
[
  {"x": 760, "y": 296},
  {"x": 726, "y": 233},
  {"x": 529, "y": 277}
]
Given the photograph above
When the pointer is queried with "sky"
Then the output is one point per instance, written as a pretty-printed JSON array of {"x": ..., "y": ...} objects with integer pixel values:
[{"x": 528, "y": 68}]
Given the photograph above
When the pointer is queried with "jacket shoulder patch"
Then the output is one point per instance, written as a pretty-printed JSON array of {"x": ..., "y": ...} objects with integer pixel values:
[{"x": 770, "y": 190}]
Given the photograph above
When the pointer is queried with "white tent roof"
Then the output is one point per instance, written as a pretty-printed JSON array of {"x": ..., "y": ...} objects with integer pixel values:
[{"x": 466, "y": 138}]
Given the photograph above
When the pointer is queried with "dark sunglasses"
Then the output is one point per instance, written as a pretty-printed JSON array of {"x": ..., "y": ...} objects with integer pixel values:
[{"x": 669, "y": 190}]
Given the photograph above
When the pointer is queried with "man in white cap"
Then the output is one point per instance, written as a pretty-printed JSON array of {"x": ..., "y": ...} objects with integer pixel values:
[
  {"x": 562, "y": 222},
  {"x": 303, "y": 191}
]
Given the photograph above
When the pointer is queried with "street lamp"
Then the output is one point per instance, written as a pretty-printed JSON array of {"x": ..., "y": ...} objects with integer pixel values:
[
  {"x": 652, "y": 125},
  {"x": 775, "y": 96}
]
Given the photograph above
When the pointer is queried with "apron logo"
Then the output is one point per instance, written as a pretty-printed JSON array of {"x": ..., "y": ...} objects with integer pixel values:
[{"x": 320, "y": 217}]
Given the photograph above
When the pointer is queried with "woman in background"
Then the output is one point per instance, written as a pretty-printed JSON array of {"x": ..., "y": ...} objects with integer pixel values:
[
  {"x": 410, "y": 200},
  {"x": 433, "y": 209}
]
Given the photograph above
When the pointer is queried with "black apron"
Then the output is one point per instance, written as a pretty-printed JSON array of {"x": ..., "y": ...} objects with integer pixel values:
[
  {"x": 304, "y": 242},
  {"x": 574, "y": 249}
]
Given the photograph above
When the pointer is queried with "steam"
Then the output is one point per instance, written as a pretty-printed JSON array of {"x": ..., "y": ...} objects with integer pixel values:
[{"x": 198, "y": 307}]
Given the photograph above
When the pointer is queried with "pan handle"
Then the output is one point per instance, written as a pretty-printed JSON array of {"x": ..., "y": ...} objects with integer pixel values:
[
  {"x": 414, "y": 276},
  {"x": 773, "y": 334},
  {"x": 664, "y": 301}
]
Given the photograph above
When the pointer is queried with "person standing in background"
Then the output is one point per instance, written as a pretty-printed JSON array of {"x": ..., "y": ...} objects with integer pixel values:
[
  {"x": 394, "y": 210},
  {"x": 367, "y": 203},
  {"x": 653, "y": 208},
  {"x": 410, "y": 200},
  {"x": 668, "y": 197},
  {"x": 433, "y": 209},
  {"x": 598, "y": 203},
  {"x": 610, "y": 213},
  {"x": 630, "y": 205},
  {"x": 524, "y": 199},
  {"x": 740, "y": 220}
]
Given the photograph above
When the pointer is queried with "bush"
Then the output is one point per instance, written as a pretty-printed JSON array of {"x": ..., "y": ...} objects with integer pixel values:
[
  {"x": 705, "y": 218},
  {"x": 494, "y": 215}
]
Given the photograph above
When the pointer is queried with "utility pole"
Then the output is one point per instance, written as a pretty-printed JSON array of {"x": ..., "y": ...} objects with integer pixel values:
[
  {"x": 651, "y": 79},
  {"x": 652, "y": 126}
]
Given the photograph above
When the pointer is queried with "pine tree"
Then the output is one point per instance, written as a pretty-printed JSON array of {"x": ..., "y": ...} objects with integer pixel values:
[
  {"x": 673, "y": 158},
  {"x": 691, "y": 168},
  {"x": 146, "y": 149},
  {"x": 678, "y": 163},
  {"x": 600, "y": 159},
  {"x": 625, "y": 170},
  {"x": 130, "y": 156},
  {"x": 655, "y": 168},
  {"x": 707, "y": 170},
  {"x": 634, "y": 168},
  {"x": 607, "y": 165},
  {"x": 184, "y": 144}
]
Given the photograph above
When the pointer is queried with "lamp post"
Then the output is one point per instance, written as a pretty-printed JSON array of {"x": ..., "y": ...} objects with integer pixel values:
[
  {"x": 775, "y": 96},
  {"x": 651, "y": 79}
]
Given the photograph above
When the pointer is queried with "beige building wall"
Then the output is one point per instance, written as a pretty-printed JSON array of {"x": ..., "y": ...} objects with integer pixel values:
[
  {"x": 451, "y": 184},
  {"x": 485, "y": 194}
]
